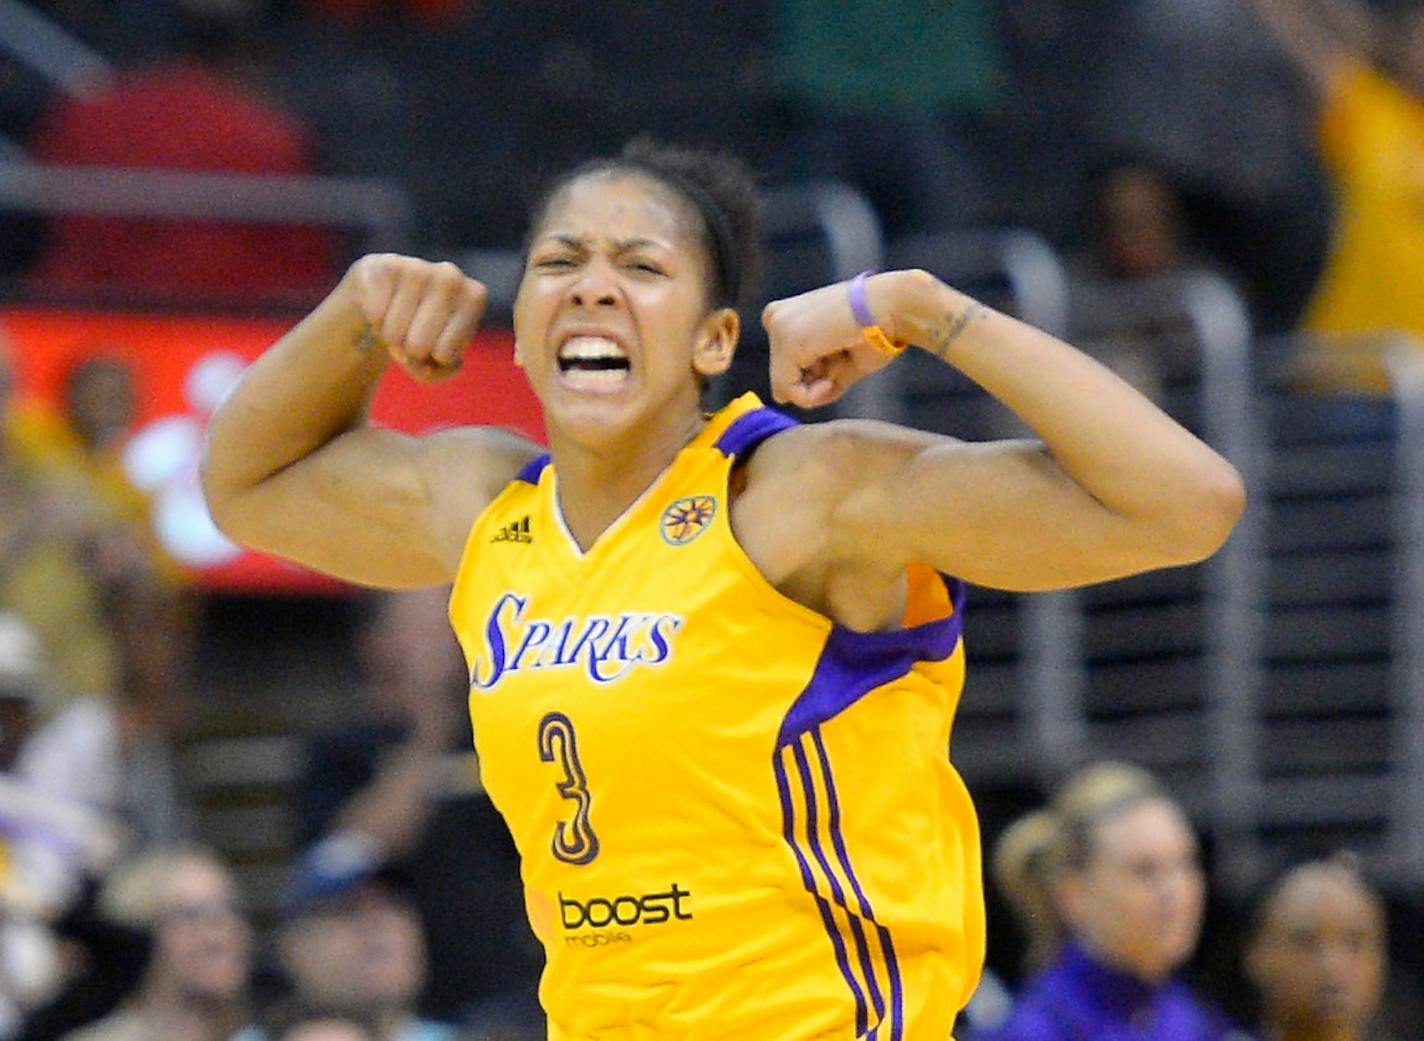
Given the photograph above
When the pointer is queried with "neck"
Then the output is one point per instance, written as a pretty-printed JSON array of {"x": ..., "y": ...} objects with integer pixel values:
[
  {"x": 597, "y": 484},
  {"x": 1281, "y": 1028},
  {"x": 1107, "y": 961},
  {"x": 186, "y": 1016},
  {"x": 393, "y": 1022}
]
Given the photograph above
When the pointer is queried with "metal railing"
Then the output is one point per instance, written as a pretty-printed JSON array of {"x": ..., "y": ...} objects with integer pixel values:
[{"x": 379, "y": 209}]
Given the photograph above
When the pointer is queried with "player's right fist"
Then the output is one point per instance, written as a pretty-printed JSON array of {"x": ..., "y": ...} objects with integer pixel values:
[{"x": 423, "y": 313}]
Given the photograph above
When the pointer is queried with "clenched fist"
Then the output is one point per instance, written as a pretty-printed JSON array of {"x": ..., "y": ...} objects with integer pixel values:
[
  {"x": 424, "y": 314},
  {"x": 817, "y": 350}
]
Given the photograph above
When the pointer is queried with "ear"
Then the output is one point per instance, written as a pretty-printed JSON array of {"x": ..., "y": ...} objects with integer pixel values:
[
  {"x": 1069, "y": 891},
  {"x": 518, "y": 356},
  {"x": 716, "y": 342}
]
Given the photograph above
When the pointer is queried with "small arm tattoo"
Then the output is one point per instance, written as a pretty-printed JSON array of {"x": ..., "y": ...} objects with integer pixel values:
[
  {"x": 941, "y": 337},
  {"x": 367, "y": 339}
]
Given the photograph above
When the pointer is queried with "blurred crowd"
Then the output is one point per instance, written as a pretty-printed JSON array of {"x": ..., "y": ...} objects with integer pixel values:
[
  {"x": 1279, "y": 143},
  {"x": 1291, "y": 167}
]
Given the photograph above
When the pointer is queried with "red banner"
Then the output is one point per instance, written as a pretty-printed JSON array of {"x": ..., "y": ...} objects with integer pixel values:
[{"x": 183, "y": 364}]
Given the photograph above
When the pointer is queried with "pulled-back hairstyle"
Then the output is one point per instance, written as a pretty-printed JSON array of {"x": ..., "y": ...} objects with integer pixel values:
[
  {"x": 1038, "y": 847},
  {"x": 720, "y": 190}
]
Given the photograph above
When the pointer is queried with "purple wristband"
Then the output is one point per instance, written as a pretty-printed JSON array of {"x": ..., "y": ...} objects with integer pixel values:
[{"x": 859, "y": 306}]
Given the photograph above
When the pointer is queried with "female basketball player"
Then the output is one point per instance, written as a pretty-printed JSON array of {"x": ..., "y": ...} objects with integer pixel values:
[{"x": 713, "y": 664}]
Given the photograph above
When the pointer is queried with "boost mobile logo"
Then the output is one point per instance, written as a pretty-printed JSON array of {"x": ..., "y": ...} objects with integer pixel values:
[{"x": 600, "y": 912}]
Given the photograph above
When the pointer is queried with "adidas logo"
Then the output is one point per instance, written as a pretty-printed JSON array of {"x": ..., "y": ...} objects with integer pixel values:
[{"x": 517, "y": 531}]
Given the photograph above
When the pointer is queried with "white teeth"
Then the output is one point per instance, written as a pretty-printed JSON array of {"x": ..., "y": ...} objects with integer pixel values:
[
  {"x": 592, "y": 378},
  {"x": 590, "y": 348}
]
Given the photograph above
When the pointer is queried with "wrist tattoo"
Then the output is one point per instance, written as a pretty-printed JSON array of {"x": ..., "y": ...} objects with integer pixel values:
[
  {"x": 367, "y": 338},
  {"x": 943, "y": 336}
]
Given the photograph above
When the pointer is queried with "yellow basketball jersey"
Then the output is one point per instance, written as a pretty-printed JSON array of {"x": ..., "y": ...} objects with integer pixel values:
[{"x": 737, "y": 819}]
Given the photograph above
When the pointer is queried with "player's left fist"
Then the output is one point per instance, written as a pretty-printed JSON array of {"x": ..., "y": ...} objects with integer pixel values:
[{"x": 817, "y": 348}]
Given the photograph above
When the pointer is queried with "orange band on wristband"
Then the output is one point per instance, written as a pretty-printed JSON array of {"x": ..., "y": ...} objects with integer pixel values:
[{"x": 875, "y": 336}]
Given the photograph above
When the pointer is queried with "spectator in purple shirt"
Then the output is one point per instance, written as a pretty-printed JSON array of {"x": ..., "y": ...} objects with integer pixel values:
[{"x": 1107, "y": 882}]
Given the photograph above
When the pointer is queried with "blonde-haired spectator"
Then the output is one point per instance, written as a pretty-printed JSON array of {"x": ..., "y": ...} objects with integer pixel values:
[
  {"x": 1107, "y": 883},
  {"x": 194, "y": 987}
]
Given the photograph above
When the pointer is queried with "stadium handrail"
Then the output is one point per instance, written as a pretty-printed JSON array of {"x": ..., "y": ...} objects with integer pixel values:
[
  {"x": 379, "y": 207},
  {"x": 43, "y": 45}
]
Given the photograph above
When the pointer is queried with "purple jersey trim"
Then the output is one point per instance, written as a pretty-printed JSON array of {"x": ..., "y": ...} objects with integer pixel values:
[
  {"x": 862, "y": 951},
  {"x": 797, "y": 791},
  {"x": 788, "y": 819},
  {"x": 746, "y": 432},
  {"x": 852, "y": 664},
  {"x": 892, "y": 964},
  {"x": 532, "y": 469}
]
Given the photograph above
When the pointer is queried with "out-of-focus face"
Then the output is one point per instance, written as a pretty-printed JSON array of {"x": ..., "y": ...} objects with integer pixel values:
[
  {"x": 203, "y": 943},
  {"x": 364, "y": 950},
  {"x": 1137, "y": 903},
  {"x": 101, "y": 402},
  {"x": 613, "y": 301},
  {"x": 1319, "y": 957},
  {"x": 1140, "y": 224}
]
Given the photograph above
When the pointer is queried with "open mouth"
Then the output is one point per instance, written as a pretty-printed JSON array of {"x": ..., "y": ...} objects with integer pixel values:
[{"x": 593, "y": 361}]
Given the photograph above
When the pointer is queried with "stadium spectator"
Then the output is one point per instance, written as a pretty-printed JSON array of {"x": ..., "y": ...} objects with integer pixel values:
[
  {"x": 75, "y": 565},
  {"x": 1139, "y": 225},
  {"x": 59, "y": 557},
  {"x": 350, "y": 940},
  {"x": 401, "y": 779},
  {"x": 194, "y": 986},
  {"x": 46, "y": 841},
  {"x": 1107, "y": 883},
  {"x": 1367, "y": 71},
  {"x": 1317, "y": 954},
  {"x": 203, "y": 112}
]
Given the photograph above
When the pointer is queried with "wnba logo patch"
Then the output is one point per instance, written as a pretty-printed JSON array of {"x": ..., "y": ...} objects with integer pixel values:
[{"x": 687, "y": 518}]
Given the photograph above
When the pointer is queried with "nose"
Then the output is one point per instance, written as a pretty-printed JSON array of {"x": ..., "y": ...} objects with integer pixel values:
[{"x": 595, "y": 287}]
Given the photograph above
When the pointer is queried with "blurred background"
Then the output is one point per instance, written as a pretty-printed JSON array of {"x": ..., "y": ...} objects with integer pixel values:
[{"x": 1223, "y": 200}]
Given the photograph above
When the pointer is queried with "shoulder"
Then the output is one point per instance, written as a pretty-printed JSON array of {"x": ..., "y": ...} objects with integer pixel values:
[
  {"x": 843, "y": 451},
  {"x": 1204, "y": 1019},
  {"x": 502, "y": 453},
  {"x": 428, "y": 1030},
  {"x": 1030, "y": 1020},
  {"x": 470, "y": 466}
]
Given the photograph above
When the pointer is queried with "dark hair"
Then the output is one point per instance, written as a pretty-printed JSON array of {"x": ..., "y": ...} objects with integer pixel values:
[
  {"x": 1343, "y": 863},
  {"x": 721, "y": 190}
]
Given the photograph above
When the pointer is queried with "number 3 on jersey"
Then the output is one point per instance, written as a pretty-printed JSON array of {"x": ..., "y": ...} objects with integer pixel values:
[{"x": 574, "y": 841}]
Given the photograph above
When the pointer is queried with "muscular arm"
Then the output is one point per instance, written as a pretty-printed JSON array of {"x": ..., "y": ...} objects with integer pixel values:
[
  {"x": 1113, "y": 487},
  {"x": 292, "y": 468}
]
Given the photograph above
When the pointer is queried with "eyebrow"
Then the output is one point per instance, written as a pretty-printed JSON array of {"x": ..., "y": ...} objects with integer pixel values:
[{"x": 621, "y": 246}]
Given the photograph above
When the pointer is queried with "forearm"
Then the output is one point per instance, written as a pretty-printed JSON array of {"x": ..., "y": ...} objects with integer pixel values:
[
  {"x": 1107, "y": 438},
  {"x": 312, "y": 385},
  {"x": 394, "y": 808}
]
